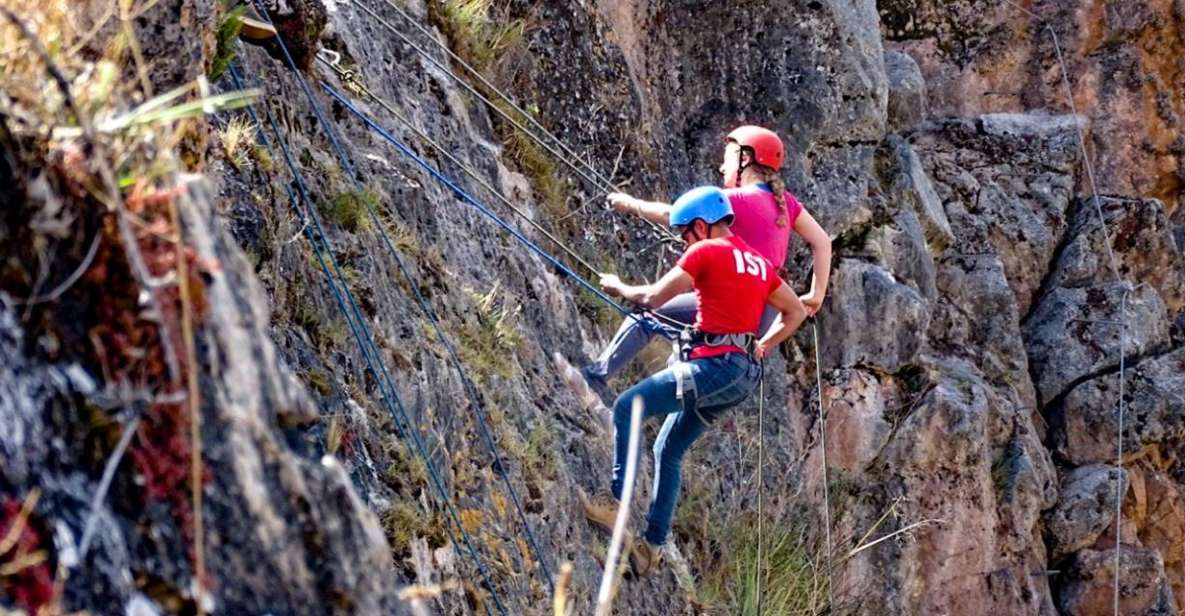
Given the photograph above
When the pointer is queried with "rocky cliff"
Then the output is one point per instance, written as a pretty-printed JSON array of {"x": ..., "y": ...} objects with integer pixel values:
[{"x": 361, "y": 337}]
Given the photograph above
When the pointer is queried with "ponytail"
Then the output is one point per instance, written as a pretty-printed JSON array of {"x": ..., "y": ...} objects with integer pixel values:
[{"x": 771, "y": 177}]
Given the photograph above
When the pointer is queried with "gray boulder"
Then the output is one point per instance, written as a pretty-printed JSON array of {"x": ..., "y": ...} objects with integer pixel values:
[
  {"x": 1011, "y": 178},
  {"x": 1075, "y": 334},
  {"x": 1085, "y": 508},
  {"x": 907, "y": 92},
  {"x": 1085, "y": 426},
  {"x": 904, "y": 182},
  {"x": 872, "y": 319},
  {"x": 1088, "y": 588},
  {"x": 1142, "y": 241}
]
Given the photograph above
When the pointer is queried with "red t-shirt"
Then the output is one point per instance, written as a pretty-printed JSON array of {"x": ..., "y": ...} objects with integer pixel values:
[{"x": 732, "y": 283}]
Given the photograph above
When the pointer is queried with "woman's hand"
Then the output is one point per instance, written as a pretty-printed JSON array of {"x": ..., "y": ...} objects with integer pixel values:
[
  {"x": 812, "y": 302},
  {"x": 622, "y": 202},
  {"x": 611, "y": 284}
]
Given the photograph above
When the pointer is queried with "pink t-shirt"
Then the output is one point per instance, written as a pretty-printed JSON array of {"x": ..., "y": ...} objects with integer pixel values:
[{"x": 756, "y": 220}]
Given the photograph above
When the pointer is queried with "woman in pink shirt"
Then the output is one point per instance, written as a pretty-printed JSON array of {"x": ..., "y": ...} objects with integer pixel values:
[{"x": 765, "y": 214}]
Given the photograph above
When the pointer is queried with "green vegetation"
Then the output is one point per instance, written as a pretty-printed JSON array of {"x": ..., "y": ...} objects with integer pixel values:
[
  {"x": 349, "y": 209},
  {"x": 486, "y": 43},
  {"x": 789, "y": 577},
  {"x": 533, "y": 161},
  {"x": 225, "y": 38},
  {"x": 402, "y": 522},
  {"x": 603, "y": 315},
  {"x": 262, "y": 158},
  {"x": 319, "y": 380},
  {"x": 474, "y": 34},
  {"x": 489, "y": 345}
]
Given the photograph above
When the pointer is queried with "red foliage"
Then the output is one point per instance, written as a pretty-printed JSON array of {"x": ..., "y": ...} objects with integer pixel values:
[
  {"x": 31, "y": 587},
  {"x": 129, "y": 347},
  {"x": 349, "y": 442}
]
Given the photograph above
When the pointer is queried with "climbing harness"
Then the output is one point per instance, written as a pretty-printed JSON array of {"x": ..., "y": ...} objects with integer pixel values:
[{"x": 691, "y": 338}]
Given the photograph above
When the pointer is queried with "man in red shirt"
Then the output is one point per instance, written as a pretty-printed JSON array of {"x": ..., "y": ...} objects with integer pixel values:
[{"x": 733, "y": 283}]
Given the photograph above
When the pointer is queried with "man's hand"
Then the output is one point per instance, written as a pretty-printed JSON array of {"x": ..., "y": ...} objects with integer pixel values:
[
  {"x": 611, "y": 284},
  {"x": 622, "y": 202},
  {"x": 760, "y": 351},
  {"x": 812, "y": 302}
]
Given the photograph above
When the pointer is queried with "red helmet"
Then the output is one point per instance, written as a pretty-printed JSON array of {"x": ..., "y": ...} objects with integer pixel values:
[{"x": 767, "y": 147}]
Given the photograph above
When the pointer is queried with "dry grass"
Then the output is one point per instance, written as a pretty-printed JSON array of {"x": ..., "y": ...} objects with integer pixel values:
[
  {"x": 489, "y": 345},
  {"x": 238, "y": 142},
  {"x": 475, "y": 34}
]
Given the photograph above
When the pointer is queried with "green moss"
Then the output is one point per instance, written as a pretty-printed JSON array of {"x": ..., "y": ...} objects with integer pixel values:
[
  {"x": 606, "y": 317},
  {"x": 262, "y": 158},
  {"x": 349, "y": 210},
  {"x": 483, "y": 41},
  {"x": 225, "y": 38},
  {"x": 533, "y": 161}
]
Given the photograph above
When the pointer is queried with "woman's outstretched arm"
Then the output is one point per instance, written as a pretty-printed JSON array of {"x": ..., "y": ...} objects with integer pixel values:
[
  {"x": 820, "y": 244},
  {"x": 654, "y": 211}
]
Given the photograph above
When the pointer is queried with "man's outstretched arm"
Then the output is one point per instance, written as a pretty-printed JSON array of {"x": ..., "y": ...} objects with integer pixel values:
[{"x": 653, "y": 295}]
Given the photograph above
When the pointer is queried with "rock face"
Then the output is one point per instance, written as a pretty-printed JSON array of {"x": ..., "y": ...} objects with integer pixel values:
[
  {"x": 356, "y": 365},
  {"x": 1123, "y": 60}
]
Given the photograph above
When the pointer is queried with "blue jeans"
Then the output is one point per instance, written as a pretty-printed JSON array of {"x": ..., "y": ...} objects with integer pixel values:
[
  {"x": 632, "y": 336},
  {"x": 721, "y": 383}
]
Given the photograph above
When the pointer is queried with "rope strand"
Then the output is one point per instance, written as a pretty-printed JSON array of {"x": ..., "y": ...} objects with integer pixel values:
[
  {"x": 823, "y": 445},
  {"x": 352, "y": 315},
  {"x": 645, "y": 320},
  {"x": 596, "y": 180}
]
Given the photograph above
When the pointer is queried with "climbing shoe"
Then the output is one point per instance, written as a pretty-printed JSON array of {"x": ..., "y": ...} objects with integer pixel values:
[
  {"x": 584, "y": 393},
  {"x": 645, "y": 558},
  {"x": 601, "y": 510},
  {"x": 599, "y": 386}
]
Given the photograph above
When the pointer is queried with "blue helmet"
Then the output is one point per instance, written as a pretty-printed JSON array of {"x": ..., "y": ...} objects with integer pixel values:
[{"x": 707, "y": 203}]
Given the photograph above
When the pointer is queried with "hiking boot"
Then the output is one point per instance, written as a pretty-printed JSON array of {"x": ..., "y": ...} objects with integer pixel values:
[
  {"x": 599, "y": 386},
  {"x": 645, "y": 558},
  {"x": 601, "y": 510}
]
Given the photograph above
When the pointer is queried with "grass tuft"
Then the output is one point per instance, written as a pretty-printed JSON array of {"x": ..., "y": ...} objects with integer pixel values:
[
  {"x": 238, "y": 142},
  {"x": 225, "y": 37},
  {"x": 792, "y": 580},
  {"x": 489, "y": 345},
  {"x": 474, "y": 34},
  {"x": 349, "y": 209}
]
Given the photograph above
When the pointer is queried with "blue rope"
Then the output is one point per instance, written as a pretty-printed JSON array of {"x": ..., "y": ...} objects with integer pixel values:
[
  {"x": 368, "y": 348},
  {"x": 331, "y": 133},
  {"x": 455, "y": 358},
  {"x": 647, "y": 323}
]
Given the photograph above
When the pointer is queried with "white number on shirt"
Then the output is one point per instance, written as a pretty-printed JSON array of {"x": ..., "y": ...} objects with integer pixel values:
[{"x": 749, "y": 263}]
